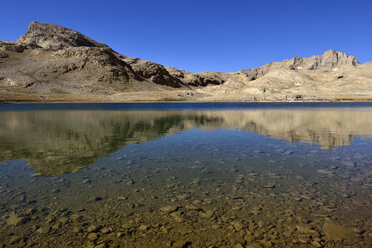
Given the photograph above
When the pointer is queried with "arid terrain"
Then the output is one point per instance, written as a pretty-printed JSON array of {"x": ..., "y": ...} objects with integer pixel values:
[{"x": 51, "y": 63}]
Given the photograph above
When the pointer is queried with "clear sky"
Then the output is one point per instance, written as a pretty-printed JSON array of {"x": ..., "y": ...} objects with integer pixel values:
[{"x": 209, "y": 35}]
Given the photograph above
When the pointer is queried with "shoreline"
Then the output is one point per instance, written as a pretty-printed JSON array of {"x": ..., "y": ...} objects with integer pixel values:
[
  {"x": 181, "y": 101},
  {"x": 367, "y": 101}
]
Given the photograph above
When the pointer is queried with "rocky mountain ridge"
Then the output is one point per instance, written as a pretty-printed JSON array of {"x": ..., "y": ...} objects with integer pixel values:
[
  {"x": 55, "y": 63},
  {"x": 329, "y": 60}
]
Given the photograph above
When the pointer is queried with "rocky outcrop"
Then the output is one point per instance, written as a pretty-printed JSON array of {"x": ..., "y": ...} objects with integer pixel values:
[
  {"x": 93, "y": 59},
  {"x": 153, "y": 72},
  {"x": 197, "y": 79},
  {"x": 54, "y": 37},
  {"x": 329, "y": 60},
  {"x": 11, "y": 46},
  {"x": 3, "y": 55}
]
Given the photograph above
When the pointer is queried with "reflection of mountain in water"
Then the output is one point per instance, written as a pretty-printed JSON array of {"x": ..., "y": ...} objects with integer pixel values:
[
  {"x": 57, "y": 142},
  {"x": 325, "y": 127}
]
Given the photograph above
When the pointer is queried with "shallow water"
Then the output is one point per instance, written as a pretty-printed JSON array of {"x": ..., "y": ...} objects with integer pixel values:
[{"x": 186, "y": 175}]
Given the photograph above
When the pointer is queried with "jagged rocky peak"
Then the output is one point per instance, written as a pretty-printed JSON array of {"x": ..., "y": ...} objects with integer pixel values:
[
  {"x": 330, "y": 59},
  {"x": 54, "y": 37}
]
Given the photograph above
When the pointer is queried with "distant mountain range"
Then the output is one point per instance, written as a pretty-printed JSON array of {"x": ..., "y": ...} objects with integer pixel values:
[{"x": 53, "y": 63}]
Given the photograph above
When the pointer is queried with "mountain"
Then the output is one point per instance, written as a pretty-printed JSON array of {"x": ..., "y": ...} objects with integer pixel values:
[
  {"x": 329, "y": 60},
  {"x": 54, "y": 63}
]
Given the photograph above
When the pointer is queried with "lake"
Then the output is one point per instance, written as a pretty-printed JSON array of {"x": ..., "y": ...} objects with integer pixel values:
[{"x": 186, "y": 175}]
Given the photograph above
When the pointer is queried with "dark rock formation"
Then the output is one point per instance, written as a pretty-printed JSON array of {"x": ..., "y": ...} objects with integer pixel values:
[
  {"x": 196, "y": 79},
  {"x": 3, "y": 55},
  {"x": 153, "y": 72}
]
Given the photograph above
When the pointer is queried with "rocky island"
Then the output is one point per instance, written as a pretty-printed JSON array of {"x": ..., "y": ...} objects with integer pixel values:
[{"x": 51, "y": 63}]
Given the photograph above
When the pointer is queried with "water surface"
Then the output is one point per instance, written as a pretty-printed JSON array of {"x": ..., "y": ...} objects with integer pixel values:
[{"x": 179, "y": 175}]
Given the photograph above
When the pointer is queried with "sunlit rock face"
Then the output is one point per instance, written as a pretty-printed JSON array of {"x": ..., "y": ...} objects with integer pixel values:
[
  {"x": 54, "y": 37},
  {"x": 58, "y": 142}
]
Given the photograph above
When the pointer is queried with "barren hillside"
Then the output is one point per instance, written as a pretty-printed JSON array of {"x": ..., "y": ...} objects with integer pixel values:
[{"x": 53, "y": 63}]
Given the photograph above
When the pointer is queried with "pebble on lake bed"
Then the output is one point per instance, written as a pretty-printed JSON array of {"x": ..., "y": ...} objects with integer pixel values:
[
  {"x": 181, "y": 244},
  {"x": 168, "y": 209},
  {"x": 92, "y": 236},
  {"x": 143, "y": 227}
]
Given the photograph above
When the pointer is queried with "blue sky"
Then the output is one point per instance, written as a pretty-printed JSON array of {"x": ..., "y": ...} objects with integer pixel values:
[{"x": 206, "y": 35}]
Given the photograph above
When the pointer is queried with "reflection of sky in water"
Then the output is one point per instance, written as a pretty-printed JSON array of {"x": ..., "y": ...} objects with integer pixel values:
[
  {"x": 57, "y": 142},
  {"x": 269, "y": 170}
]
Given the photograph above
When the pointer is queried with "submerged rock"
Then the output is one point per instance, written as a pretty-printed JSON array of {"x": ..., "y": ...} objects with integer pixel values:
[
  {"x": 92, "y": 236},
  {"x": 181, "y": 244},
  {"x": 169, "y": 209},
  {"x": 13, "y": 219},
  {"x": 335, "y": 231}
]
